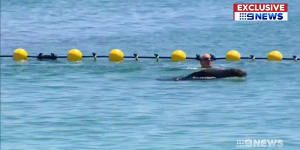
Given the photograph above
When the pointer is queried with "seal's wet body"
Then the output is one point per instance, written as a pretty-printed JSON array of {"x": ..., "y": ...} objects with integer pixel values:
[{"x": 213, "y": 73}]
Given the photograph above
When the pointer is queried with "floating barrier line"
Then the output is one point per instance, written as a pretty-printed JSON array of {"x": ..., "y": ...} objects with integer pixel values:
[
  {"x": 152, "y": 57},
  {"x": 117, "y": 55}
]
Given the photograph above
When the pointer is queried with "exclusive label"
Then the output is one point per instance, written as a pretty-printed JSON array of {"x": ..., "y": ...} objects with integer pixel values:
[{"x": 260, "y": 12}]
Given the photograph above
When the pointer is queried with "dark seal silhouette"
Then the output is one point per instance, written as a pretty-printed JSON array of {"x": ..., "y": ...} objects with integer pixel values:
[{"x": 213, "y": 73}]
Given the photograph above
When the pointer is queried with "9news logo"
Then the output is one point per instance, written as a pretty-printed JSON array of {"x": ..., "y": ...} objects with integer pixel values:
[{"x": 260, "y": 12}]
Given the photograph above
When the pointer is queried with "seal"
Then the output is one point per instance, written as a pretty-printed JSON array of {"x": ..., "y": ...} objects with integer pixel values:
[{"x": 213, "y": 73}]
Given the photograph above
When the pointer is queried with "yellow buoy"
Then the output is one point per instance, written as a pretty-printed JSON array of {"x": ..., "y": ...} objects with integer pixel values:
[
  {"x": 116, "y": 55},
  {"x": 20, "y": 54},
  {"x": 178, "y": 55},
  {"x": 74, "y": 55},
  {"x": 274, "y": 56},
  {"x": 233, "y": 55}
]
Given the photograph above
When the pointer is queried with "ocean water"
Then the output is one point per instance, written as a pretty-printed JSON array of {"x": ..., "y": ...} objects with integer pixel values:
[{"x": 58, "y": 105}]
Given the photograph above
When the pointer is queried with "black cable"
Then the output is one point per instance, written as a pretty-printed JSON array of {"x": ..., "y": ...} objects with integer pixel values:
[{"x": 6, "y": 55}]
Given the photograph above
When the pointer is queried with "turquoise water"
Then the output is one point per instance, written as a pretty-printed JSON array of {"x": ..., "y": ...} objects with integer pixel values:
[{"x": 103, "y": 105}]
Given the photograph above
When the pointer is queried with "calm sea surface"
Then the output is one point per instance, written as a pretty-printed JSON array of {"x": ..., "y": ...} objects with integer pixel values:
[{"x": 58, "y": 105}]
